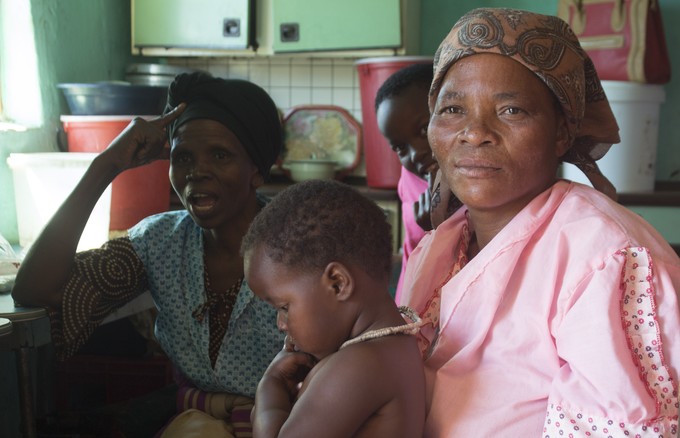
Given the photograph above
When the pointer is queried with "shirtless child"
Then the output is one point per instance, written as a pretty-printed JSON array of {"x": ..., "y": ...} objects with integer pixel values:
[{"x": 320, "y": 252}]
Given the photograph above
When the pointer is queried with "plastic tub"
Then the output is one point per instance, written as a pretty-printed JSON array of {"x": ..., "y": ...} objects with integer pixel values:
[
  {"x": 135, "y": 193},
  {"x": 42, "y": 181},
  {"x": 631, "y": 164},
  {"x": 383, "y": 167}
]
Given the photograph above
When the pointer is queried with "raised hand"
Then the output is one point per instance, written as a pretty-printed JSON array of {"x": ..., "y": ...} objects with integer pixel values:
[{"x": 141, "y": 142}]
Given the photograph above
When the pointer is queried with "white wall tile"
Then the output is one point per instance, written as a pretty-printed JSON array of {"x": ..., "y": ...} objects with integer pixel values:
[
  {"x": 301, "y": 75},
  {"x": 279, "y": 60},
  {"x": 343, "y": 75},
  {"x": 300, "y": 61},
  {"x": 321, "y": 61},
  {"x": 343, "y": 97},
  {"x": 322, "y": 96},
  {"x": 300, "y": 96},
  {"x": 292, "y": 81},
  {"x": 259, "y": 73},
  {"x": 322, "y": 75},
  {"x": 199, "y": 63},
  {"x": 239, "y": 70},
  {"x": 281, "y": 96},
  {"x": 356, "y": 105},
  {"x": 279, "y": 75},
  {"x": 218, "y": 69}
]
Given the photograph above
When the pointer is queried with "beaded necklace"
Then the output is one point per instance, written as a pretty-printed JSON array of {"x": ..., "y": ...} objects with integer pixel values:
[
  {"x": 218, "y": 306},
  {"x": 410, "y": 328}
]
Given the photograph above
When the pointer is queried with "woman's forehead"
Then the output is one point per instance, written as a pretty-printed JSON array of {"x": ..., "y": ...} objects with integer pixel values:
[
  {"x": 202, "y": 130},
  {"x": 491, "y": 71}
]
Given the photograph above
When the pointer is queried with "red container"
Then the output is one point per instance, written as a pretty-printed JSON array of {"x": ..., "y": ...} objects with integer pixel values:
[
  {"x": 135, "y": 193},
  {"x": 383, "y": 167}
]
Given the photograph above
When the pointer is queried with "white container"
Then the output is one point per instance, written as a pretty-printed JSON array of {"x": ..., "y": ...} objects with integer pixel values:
[
  {"x": 42, "y": 181},
  {"x": 631, "y": 164}
]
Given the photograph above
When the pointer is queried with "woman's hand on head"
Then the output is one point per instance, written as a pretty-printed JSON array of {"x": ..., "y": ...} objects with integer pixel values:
[{"x": 142, "y": 141}]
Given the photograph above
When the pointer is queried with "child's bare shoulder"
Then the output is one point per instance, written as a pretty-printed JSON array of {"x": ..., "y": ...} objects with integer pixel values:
[
  {"x": 384, "y": 379},
  {"x": 378, "y": 363}
]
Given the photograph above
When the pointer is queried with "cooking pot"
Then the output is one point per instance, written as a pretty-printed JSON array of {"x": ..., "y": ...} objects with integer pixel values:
[{"x": 154, "y": 74}]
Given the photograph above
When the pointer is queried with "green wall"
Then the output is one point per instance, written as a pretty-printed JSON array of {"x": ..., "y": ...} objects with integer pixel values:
[
  {"x": 76, "y": 41},
  {"x": 438, "y": 16},
  {"x": 79, "y": 41}
]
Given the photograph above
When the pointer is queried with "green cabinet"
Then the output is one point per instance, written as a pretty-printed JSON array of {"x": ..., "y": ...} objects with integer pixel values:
[
  {"x": 313, "y": 25},
  {"x": 192, "y": 24},
  {"x": 269, "y": 27}
]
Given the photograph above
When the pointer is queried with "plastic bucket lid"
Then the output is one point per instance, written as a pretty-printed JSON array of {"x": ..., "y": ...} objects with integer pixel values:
[
  {"x": 633, "y": 92},
  {"x": 393, "y": 59},
  {"x": 98, "y": 119},
  {"x": 47, "y": 159}
]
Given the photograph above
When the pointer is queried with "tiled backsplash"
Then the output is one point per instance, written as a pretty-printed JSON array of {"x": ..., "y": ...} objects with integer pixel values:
[{"x": 293, "y": 81}]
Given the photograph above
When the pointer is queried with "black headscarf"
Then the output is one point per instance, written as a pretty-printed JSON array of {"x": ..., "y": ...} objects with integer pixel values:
[{"x": 243, "y": 107}]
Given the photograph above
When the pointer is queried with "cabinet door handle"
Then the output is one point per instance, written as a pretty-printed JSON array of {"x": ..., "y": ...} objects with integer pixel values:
[
  {"x": 231, "y": 27},
  {"x": 290, "y": 32}
]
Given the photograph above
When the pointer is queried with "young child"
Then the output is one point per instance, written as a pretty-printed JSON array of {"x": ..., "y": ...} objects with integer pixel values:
[
  {"x": 320, "y": 253},
  {"x": 403, "y": 115}
]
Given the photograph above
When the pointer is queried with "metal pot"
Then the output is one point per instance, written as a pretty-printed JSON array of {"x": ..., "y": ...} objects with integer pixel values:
[{"x": 154, "y": 74}]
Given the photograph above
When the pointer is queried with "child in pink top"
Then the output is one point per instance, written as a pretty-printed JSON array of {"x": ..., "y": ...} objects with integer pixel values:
[{"x": 403, "y": 115}]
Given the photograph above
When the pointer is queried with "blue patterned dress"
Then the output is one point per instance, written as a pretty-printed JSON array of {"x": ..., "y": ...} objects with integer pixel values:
[{"x": 163, "y": 254}]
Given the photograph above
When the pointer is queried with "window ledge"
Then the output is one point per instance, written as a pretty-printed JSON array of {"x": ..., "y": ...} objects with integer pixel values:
[
  {"x": 665, "y": 194},
  {"x": 13, "y": 127}
]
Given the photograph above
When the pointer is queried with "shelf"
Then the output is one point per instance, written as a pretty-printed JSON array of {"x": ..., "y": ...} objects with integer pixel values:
[
  {"x": 279, "y": 182},
  {"x": 666, "y": 194}
]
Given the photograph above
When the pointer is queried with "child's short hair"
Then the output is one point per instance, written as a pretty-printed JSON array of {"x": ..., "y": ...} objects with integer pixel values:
[
  {"x": 313, "y": 223},
  {"x": 416, "y": 74}
]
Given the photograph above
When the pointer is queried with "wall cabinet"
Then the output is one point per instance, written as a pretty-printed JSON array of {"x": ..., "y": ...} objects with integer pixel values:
[
  {"x": 313, "y": 25},
  {"x": 192, "y": 24},
  {"x": 269, "y": 27}
]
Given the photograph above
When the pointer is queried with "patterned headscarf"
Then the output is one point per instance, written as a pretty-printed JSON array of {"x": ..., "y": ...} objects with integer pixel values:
[
  {"x": 243, "y": 107},
  {"x": 546, "y": 46}
]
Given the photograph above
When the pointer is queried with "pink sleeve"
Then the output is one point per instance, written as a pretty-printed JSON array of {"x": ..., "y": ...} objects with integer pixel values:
[
  {"x": 410, "y": 187},
  {"x": 619, "y": 342}
]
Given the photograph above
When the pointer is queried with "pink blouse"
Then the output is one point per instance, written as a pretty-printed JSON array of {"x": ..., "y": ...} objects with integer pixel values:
[
  {"x": 409, "y": 188},
  {"x": 565, "y": 324}
]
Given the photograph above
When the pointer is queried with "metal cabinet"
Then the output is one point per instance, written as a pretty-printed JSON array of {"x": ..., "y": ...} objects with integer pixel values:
[
  {"x": 159, "y": 25},
  {"x": 313, "y": 25},
  {"x": 268, "y": 27}
]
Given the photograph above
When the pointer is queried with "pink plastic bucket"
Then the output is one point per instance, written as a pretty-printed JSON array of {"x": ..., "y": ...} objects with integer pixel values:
[
  {"x": 135, "y": 193},
  {"x": 382, "y": 164}
]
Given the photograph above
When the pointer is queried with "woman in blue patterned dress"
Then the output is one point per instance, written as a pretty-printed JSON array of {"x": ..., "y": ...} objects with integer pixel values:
[{"x": 224, "y": 136}]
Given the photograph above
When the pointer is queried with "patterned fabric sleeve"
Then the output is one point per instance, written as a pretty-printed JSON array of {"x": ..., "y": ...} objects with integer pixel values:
[
  {"x": 618, "y": 383},
  {"x": 101, "y": 281}
]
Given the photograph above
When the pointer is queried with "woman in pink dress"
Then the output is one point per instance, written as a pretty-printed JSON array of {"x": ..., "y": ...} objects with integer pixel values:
[{"x": 551, "y": 310}]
